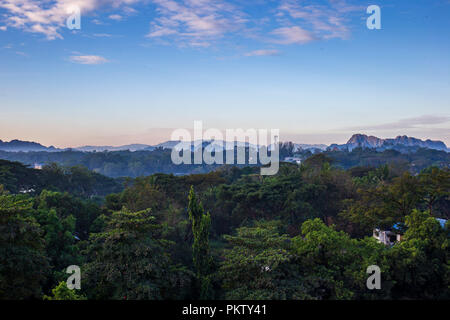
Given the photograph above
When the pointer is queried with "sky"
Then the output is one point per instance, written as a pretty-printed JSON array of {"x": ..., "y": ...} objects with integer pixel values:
[{"x": 138, "y": 69}]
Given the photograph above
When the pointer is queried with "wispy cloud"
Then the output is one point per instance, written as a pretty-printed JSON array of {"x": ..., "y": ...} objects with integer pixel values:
[
  {"x": 290, "y": 35},
  {"x": 97, "y": 22},
  {"x": 88, "y": 59},
  {"x": 262, "y": 52},
  {"x": 116, "y": 17},
  {"x": 195, "y": 22},
  {"x": 48, "y": 17},
  {"x": 21, "y": 53},
  {"x": 200, "y": 22},
  {"x": 407, "y": 123},
  {"x": 306, "y": 20},
  {"x": 102, "y": 35}
]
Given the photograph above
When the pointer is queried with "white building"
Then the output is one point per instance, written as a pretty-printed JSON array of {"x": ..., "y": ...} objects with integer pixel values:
[
  {"x": 387, "y": 237},
  {"x": 390, "y": 237}
]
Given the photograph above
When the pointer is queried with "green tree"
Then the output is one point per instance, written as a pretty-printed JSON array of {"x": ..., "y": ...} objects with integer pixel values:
[
  {"x": 259, "y": 264},
  {"x": 201, "y": 255},
  {"x": 129, "y": 260},
  {"x": 420, "y": 263},
  {"x": 24, "y": 266},
  {"x": 58, "y": 234},
  {"x": 84, "y": 212},
  {"x": 435, "y": 185},
  {"x": 61, "y": 292},
  {"x": 334, "y": 265},
  {"x": 383, "y": 205}
]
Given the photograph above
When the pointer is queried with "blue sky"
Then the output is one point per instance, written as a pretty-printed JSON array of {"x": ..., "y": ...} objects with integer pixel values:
[{"x": 136, "y": 70}]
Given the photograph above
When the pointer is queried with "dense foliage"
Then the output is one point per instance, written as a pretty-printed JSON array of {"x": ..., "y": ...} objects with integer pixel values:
[
  {"x": 77, "y": 180},
  {"x": 305, "y": 233}
]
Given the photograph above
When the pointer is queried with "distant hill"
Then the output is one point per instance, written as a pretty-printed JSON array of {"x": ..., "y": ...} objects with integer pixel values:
[
  {"x": 131, "y": 147},
  {"x": 302, "y": 146},
  {"x": 216, "y": 145},
  {"x": 28, "y": 146},
  {"x": 400, "y": 143},
  {"x": 24, "y": 146}
]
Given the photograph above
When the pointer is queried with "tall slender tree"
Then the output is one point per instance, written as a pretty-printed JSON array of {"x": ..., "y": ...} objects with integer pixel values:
[{"x": 201, "y": 223}]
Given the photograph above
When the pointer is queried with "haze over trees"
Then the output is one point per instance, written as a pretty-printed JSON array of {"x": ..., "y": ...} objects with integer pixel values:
[{"x": 143, "y": 163}]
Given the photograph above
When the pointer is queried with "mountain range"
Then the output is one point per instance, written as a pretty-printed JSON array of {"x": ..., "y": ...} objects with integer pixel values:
[
  {"x": 24, "y": 146},
  {"x": 400, "y": 143},
  {"x": 130, "y": 147}
]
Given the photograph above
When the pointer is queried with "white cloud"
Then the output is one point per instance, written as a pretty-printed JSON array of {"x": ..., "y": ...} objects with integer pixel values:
[
  {"x": 48, "y": 17},
  {"x": 102, "y": 35},
  {"x": 116, "y": 17},
  {"x": 408, "y": 123},
  {"x": 88, "y": 59},
  {"x": 290, "y": 35},
  {"x": 263, "y": 52},
  {"x": 195, "y": 22},
  {"x": 323, "y": 21},
  {"x": 21, "y": 53},
  {"x": 129, "y": 11},
  {"x": 96, "y": 21},
  {"x": 200, "y": 22}
]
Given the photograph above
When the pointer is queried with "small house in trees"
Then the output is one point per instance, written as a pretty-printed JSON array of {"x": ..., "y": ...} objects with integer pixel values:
[
  {"x": 395, "y": 234},
  {"x": 387, "y": 237}
]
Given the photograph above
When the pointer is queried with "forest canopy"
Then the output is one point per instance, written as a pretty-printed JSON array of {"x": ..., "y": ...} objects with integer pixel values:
[{"x": 305, "y": 233}]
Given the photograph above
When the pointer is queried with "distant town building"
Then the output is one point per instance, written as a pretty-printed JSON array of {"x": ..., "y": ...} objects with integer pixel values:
[
  {"x": 293, "y": 160},
  {"x": 38, "y": 166},
  {"x": 25, "y": 191}
]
